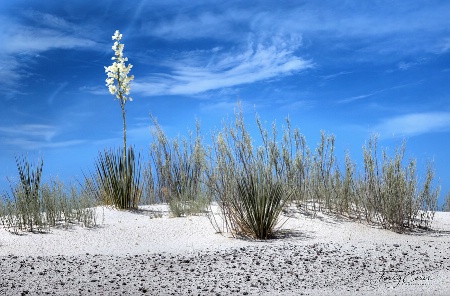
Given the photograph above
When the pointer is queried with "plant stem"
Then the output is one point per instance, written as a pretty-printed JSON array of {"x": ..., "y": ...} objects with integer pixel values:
[{"x": 122, "y": 105}]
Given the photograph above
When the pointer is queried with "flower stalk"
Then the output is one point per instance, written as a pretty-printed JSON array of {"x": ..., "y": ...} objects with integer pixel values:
[{"x": 118, "y": 81}]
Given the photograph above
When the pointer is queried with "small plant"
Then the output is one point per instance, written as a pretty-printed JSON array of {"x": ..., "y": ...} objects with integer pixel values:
[
  {"x": 149, "y": 195},
  {"x": 83, "y": 206},
  {"x": 446, "y": 205}
]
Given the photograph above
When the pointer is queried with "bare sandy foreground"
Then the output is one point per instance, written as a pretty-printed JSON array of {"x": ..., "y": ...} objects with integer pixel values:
[{"x": 136, "y": 253}]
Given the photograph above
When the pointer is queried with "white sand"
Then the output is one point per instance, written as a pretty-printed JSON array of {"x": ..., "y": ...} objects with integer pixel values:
[{"x": 315, "y": 256}]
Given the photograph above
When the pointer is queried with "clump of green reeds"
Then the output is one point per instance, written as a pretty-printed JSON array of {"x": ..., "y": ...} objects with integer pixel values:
[
  {"x": 117, "y": 180},
  {"x": 255, "y": 210}
]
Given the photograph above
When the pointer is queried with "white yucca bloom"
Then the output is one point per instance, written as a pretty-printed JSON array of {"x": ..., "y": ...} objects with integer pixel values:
[{"x": 118, "y": 81}]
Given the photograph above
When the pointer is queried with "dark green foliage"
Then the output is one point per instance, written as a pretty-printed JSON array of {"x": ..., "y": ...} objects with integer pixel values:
[
  {"x": 256, "y": 208},
  {"x": 117, "y": 181}
]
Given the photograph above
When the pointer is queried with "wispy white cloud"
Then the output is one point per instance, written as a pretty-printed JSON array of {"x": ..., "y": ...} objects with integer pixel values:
[
  {"x": 139, "y": 132},
  {"x": 359, "y": 97},
  {"x": 34, "y": 40},
  {"x": 221, "y": 106},
  {"x": 414, "y": 124},
  {"x": 95, "y": 90},
  {"x": 257, "y": 62},
  {"x": 34, "y": 136},
  {"x": 229, "y": 24},
  {"x": 379, "y": 29},
  {"x": 11, "y": 72},
  {"x": 404, "y": 66},
  {"x": 22, "y": 43},
  {"x": 42, "y": 131},
  {"x": 334, "y": 75},
  {"x": 298, "y": 105},
  {"x": 443, "y": 46},
  {"x": 27, "y": 144},
  {"x": 57, "y": 91},
  {"x": 356, "y": 98},
  {"x": 412, "y": 21},
  {"x": 49, "y": 20}
]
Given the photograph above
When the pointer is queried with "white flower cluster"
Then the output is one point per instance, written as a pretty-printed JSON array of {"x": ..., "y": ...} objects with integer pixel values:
[{"x": 118, "y": 81}]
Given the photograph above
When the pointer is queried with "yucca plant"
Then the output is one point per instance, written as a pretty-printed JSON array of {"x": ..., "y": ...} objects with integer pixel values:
[
  {"x": 117, "y": 181},
  {"x": 256, "y": 209}
]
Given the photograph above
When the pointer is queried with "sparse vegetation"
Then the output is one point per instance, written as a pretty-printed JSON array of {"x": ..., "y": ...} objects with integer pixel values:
[
  {"x": 35, "y": 207},
  {"x": 385, "y": 193},
  {"x": 251, "y": 185}
]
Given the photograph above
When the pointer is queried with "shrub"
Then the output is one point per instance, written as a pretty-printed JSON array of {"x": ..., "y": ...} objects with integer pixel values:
[
  {"x": 389, "y": 191},
  {"x": 179, "y": 168}
]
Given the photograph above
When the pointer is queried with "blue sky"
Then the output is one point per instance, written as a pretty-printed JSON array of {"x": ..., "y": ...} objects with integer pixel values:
[{"x": 351, "y": 68}]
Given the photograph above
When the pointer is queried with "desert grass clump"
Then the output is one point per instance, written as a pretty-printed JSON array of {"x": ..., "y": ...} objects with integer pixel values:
[
  {"x": 323, "y": 175},
  {"x": 149, "y": 195},
  {"x": 179, "y": 169},
  {"x": 117, "y": 181},
  {"x": 81, "y": 206},
  {"x": 66, "y": 206}
]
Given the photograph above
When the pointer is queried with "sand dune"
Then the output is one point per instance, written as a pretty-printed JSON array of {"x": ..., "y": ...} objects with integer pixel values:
[{"x": 136, "y": 253}]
